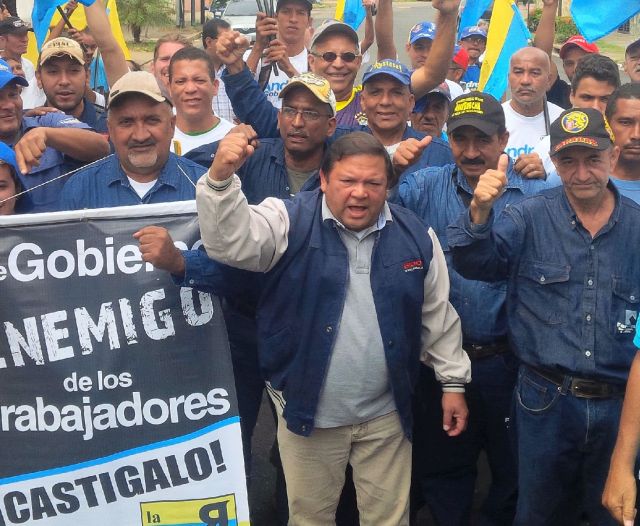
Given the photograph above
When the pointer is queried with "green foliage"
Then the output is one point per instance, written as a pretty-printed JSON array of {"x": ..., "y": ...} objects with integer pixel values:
[
  {"x": 565, "y": 27},
  {"x": 534, "y": 19},
  {"x": 140, "y": 13}
]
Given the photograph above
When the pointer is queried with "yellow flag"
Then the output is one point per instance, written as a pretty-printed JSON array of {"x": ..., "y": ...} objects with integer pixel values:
[{"x": 79, "y": 21}]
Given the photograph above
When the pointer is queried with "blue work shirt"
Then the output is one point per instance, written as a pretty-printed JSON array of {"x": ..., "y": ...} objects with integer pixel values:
[
  {"x": 105, "y": 184},
  {"x": 53, "y": 164},
  {"x": 572, "y": 300},
  {"x": 94, "y": 116},
  {"x": 438, "y": 196},
  {"x": 263, "y": 175}
]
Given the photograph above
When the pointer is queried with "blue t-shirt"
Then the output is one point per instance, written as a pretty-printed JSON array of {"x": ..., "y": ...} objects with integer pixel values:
[
  {"x": 636, "y": 340},
  {"x": 630, "y": 189},
  {"x": 471, "y": 77}
]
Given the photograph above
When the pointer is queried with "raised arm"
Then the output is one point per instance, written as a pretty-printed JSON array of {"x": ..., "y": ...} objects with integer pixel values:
[
  {"x": 115, "y": 64},
  {"x": 384, "y": 31},
  {"x": 546, "y": 32},
  {"x": 242, "y": 236},
  {"x": 369, "y": 30},
  {"x": 434, "y": 70}
]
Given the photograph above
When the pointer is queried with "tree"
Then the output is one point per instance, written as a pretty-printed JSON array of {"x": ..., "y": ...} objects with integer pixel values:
[{"x": 139, "y": 13}]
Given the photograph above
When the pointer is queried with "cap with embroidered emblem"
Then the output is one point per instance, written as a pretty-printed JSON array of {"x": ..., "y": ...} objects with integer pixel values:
[
  {"x": 318, "y": 86},
  {"x": 580, "y": 127},
  {"x": 393, "y": 68},
  {"x": 13, "y": 24},
  {"x": 477, "y": 109},
  {"x": 6, "y": 76},
  {"x": 422, "y": 30},
  {"x": 473, "y": 31},
  {"x": 333, "y": 27},
  {"x": 61, "y": 46}
]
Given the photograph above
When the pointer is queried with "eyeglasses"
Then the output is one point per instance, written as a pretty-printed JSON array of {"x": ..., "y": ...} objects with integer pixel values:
[
  {"x": 307, "y": 115},
  {"x": 330, "y": 56}
]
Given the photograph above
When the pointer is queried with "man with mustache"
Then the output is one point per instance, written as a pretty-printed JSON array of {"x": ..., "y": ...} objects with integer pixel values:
[
  {"x": 528, "y": 115},
  {"x": 446, "y": 470},
  {"x": 142, "y": 170},
  {"x": 623, "y": 113}
]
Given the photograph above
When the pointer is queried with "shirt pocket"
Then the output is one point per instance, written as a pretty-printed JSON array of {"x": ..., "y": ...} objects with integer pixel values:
[
  {"x": 624, "y": 307},
  {"x": 543, "y": 291}
]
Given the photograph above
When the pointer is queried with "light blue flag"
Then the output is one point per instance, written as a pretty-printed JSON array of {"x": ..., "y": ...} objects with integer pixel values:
[
  {"x": 354, "y": 13},
  {"x": 41, "y": 17},
  {"x": 597, "y": 18},
  {"x": 472, "y": 12},
  {"x": 507, "y": 34}
]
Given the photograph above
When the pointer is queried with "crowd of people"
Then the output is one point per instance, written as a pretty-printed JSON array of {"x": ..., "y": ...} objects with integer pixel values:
[{"x": 415, "y": 271}]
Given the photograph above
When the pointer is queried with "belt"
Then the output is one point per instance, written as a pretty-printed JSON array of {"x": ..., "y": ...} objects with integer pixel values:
[
  {"x": 581, "y": 387},
  {"x": 476, "y": 351}
]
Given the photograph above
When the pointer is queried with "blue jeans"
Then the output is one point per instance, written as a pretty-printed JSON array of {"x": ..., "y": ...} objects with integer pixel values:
[
  {"x": 564, "y": 449},
  {"x": 445, "y": 467}
]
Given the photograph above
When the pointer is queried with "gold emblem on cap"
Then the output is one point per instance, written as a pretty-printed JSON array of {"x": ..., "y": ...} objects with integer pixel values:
[
  {"x": 575, "y": 122},
  {"x": 609, "y": 130}
]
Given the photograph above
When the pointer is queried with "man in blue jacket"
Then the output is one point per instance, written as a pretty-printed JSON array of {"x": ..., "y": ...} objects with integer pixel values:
[
  {"x": 446, "y": 470},
  {"x": 355, "y": 293}
]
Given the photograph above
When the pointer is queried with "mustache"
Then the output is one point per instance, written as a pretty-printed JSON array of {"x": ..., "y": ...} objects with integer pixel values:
[
  {"x": 297, "y": 134},
  {"x": 472, "y": 162},
  {"x": 138, "y": 144}
]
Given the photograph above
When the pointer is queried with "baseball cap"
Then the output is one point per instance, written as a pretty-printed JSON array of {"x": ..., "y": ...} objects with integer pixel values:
[
  {"x": 317, "y": 85},
  {"x": 6, "y": 76},
  {"x": 141, "y": 82},
  {"x": 635, "y": 44},
  {"x": 8, "y": 156},
  {"x": 460, "y": 57},
  {"x": 422, "y": 30},
  {"x": 578, "y": 41},
  {"x": 580, "y": 127},
  {"x": 13, "y": 24},
  {"x": 393, "y": 68},
  {"x": 60, "y": 46},
  {"x": 308, "y": 4},
  {"x": 473, "y": 31},
  {"x": 421, "y": 103},
  {"x": 332, "y": 26},
  {"x": 480, "y": 110}
]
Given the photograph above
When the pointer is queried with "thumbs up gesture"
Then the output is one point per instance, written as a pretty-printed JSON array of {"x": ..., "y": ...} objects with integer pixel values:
[
  {"x": 490, "y": 187},
  {"x": 408, "y": 152}
]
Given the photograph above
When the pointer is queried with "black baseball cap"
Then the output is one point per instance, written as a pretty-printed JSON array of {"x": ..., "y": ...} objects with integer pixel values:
[
  {"x": 584, "y": 127},
  {"x": 480, "y": 110},
  {"x": 307, "y": 3},
  {"x": 13, "y": 24}
]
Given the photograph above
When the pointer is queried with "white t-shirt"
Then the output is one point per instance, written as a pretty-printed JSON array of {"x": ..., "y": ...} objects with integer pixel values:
[
  {"x": 277, "y": 82},
  {"x": 525, "y": 133},
  {"x": 32, "y": 95},
  {"x": 141, "y": 188},
  {"x": 183, "y": 142},
  {"x": 454, "y": 88}
]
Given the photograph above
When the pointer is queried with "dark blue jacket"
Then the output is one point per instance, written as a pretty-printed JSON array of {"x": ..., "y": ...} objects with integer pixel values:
[{"x": 303, "y": 296}]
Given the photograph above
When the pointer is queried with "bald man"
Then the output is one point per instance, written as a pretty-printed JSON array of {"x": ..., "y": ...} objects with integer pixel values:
[{"x": 526, "y": 119}]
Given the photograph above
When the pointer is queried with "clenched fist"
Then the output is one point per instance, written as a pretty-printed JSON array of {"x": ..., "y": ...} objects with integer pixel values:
[
  {"x": 233, "y": 150},
  {"x": 490, "y": 187}
]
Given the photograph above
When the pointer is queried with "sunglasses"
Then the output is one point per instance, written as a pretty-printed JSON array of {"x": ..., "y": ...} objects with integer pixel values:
[{"x": 330, "y": 56}]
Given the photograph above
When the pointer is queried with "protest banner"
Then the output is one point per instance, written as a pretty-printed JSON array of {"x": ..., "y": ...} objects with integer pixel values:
[{"x": 117, "y": 400}]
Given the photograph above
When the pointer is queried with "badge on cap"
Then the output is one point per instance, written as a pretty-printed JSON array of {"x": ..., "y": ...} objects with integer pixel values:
[{"x": 575, "y": 122}]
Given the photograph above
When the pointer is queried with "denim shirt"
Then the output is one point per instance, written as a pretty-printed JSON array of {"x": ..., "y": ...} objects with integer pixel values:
[
  {"x": 572, "y": 300},
  {"x": 52, "y": 164},
  {"x": 94, "y": 116},
  {"x": 105, "y": 184},
  {"x": 438, "y": 196}
]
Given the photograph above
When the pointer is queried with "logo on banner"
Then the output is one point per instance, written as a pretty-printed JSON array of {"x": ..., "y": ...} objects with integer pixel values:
[{"x": 216, "y": 511}]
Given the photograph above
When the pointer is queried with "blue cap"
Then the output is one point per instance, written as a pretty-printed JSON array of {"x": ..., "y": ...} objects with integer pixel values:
[
  {"x": 8, "y": 156},
  {"x": 6, "y": 76},
  {"x": 422, "y": 103},
  {"x": 393, "y": 68},
  {"x": 473, "y": 31},
  {"x": 422, "y": 30}
]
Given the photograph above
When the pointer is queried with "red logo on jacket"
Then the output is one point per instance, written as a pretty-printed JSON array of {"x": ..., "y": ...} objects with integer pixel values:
[{"x": 410, "y": 266}]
